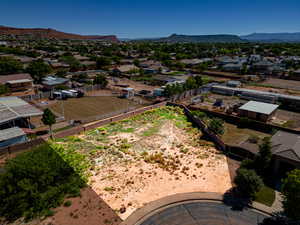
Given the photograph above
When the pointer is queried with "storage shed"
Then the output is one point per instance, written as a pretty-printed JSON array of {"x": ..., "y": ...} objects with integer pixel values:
[{"x": 258, "y": 110}]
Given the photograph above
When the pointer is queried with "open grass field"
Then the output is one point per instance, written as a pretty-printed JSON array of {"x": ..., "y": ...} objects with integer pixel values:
[
  {"x": 235, "y": 136},
  {"x": 150, "y": 156},
  {"x": 91, "y": 107}
]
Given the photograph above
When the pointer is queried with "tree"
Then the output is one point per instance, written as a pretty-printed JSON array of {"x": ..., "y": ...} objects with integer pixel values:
[
  {"x": 49, "y": 119},
  {"x": 102, "y": 62},
  {"x": 101, "y": 80},
  {"x": 9, "y": 65},
  {"x": 216, "y": 125},
  {"x": 263, "y": 160},
  {"x": 291, "y": 193},
  {"x": 3, "y": 89},
  {"x": 190, "y": 83},
  {"x": 248, "y": 182},
  {"x": 198, "y": 80},
  {"x": 38, "y": 69},
  {"x": 136, "y": 62}
]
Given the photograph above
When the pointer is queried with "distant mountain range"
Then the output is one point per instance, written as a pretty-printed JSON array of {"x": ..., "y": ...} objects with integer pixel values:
[
  {"x": 227, "y": 38},
  {"x": 273, "y": 37},
  {"x": 51, "y": 34},
  {"x": 220, "y": 38},
  {"x": 37, "y": 33}
]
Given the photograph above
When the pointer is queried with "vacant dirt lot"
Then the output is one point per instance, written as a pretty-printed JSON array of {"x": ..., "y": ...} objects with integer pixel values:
[
  {"x": 91, "y": 107},
  {"x": 286, "y": 84},
  {"x": 150, "y": 156}
]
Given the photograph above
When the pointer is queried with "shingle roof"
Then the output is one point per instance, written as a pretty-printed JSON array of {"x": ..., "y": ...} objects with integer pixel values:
[
  {"x": 13, "y": 107},
  {"x": 259, "y": 107},
  {"x": 286, "y": 145},
  {"x": 14, "y": 77},
  {"x": 10, "y": 133}
]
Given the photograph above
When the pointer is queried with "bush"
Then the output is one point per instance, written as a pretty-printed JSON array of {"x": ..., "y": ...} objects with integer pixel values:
[
  {"x": 199, "y": 114},
  {"x": 248, "y": 182},
  {"x": 68, "y": 203},
  {"x": 38, "y": 180}
]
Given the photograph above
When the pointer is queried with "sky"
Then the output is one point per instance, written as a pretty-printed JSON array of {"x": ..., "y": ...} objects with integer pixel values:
[{"x": 153, "y": 18}]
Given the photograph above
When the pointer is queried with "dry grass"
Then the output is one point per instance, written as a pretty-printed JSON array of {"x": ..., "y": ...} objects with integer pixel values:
[{"x": 86, "y": 107}]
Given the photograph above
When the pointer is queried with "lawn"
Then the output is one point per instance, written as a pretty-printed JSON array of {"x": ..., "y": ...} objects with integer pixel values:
[
  {"x": 265, "y": 196},
  {"x": 234, "y": 135},
  {"x": 90, "y": 107}
]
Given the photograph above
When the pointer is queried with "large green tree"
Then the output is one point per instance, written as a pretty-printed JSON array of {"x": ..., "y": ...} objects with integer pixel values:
[
  {"x": 291, "y": 193},
  {"x": 263, "y": 159},
  {"x": 38, "y": 69},
  {"x": 248, "y": 182},
  {"x": 9, "y": 65},
  {"x": 49, "y": 119}
]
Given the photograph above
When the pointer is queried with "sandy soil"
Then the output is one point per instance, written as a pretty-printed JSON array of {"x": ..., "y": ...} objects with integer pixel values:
[
  {"x": 139, "y": 162},
  {"x": 128, "y": 186}
]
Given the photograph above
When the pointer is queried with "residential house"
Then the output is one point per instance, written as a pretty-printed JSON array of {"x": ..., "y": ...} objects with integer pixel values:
[
  {"x": 232, "y": 67},
  {"x": 22, "y": 82},
  {"x": 123, "y": 69},
  {"x": 12, "y": 136},
  {"x": 51, "y": 82},
  {"x": 286, "y": 152}
]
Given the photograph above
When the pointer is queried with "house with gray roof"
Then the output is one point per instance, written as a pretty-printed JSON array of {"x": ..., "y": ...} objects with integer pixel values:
[
  {"x": 286, "y": 150},
  {"x": 12, "y": 136},
  {"x": 52, "y": 82}
]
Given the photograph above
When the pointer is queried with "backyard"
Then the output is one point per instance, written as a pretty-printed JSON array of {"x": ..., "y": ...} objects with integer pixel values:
[
  {"x": 234, "y": 135},
  {"x": 91, "y": 107},
  {"x": 149, "y": 156}
]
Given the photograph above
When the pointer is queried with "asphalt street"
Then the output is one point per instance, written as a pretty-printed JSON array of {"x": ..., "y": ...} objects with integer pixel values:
[{"x": 203, "y": 213}]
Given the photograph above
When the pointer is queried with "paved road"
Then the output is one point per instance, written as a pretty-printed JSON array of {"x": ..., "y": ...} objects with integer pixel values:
[{"x": 203, "y": 213}]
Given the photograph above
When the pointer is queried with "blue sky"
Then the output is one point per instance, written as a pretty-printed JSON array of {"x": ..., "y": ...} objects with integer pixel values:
[{"x": 154, "y": 18}]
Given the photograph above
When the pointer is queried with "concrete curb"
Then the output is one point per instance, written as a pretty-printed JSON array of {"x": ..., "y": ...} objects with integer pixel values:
[{"x": 155, "y": 206}]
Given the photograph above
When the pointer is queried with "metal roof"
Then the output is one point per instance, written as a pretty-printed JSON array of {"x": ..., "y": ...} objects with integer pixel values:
[
  {"x": 244, "y": 90},
  {"x": 259, "y": 107},
  {"x": 10, "y": 133},
  {"x": 54, "y": 81},
  {"x": 13, "y": 108}
]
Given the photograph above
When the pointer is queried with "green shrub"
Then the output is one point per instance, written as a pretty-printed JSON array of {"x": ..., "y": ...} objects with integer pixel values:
[
  {"x": 38, "y": 180},
  {"x": 67, "y": 203},
  {"x": 248, "y": 182},
  {"x": 216, "y": 125}
]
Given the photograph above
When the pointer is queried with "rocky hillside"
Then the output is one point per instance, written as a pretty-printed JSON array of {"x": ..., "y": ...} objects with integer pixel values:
[{"x": 51, "y": 34}]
